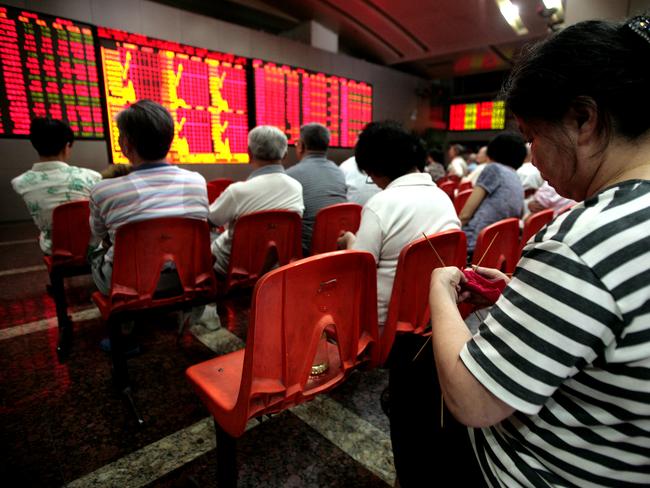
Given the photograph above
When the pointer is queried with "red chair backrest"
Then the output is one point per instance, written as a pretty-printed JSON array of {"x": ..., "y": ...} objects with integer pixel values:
[
  {"x": 408, "y": 309},
  {"x": 534, "y": 223},
  {"x": 497, "y": 246},
  {"x": 216, "y": 187},
  {"x": 465, "y": 185},
  {"x": 461, "y": 199},
  {"x": 449, "y": 187},
  {"x": 70, "y": 233},
  {"x": 142, "y": 248},
  {"x": 330, "y": 222},
  {"x": 260, "y": 240},
  {"x": 291, "y": 308}
]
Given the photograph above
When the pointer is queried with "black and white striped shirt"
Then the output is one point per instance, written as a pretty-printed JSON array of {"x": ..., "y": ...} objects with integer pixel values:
[{"x": 568, "y": 346}]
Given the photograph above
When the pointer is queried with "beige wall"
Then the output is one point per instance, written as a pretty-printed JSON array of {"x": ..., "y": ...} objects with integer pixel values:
[{"x": 394, "y": 92}]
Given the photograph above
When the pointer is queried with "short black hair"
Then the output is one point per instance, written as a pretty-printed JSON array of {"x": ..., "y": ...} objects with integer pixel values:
[
  {"x": 49, "y": 136},
  {"x": 594, "y": 60},
  {"x": 315, "y": 137},
  {"x": 388, "y": 149},
  {"x": 148, "y": 127},
  {"x": 507, "y": 148}
]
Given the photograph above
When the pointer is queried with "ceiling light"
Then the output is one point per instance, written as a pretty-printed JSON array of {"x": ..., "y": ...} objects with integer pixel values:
[{"x": 510, "y": 12}]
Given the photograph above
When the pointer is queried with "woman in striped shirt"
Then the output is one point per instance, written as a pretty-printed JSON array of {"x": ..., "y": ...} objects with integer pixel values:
[{"x": 556, "y": 383}]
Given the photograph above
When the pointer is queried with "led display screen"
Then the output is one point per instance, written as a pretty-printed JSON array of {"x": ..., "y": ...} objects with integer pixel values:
[
  {"x": 205, "y": 91},
  {"x": 477, "y": 116},
  {"x": 288, "y": 97},
  {"x": 47, "y": 68}
]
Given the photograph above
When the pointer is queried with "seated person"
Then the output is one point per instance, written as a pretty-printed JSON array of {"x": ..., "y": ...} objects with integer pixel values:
[
  {"x": 433, "y": 165},
  {"x": 410, "y": 203},
  {"x": 359, "y": 187},
  {"x": 529, "y": 175},
  {"x": 116, "y": 170},
  {"x": 323, "y": 183},
  {"x": 457, "y": 165},
  {"x": 481, "y": 160},
  {"x": 153, "y": 189},
  {"x": 267, "y": 188},
  {"x": 52, "y": 181},
  {"x": 546, "y": 197},
  {"x": 498, "y": 193}
]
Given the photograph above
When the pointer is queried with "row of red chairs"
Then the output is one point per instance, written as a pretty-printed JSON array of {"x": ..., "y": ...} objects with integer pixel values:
[{"x": 333, "y": 293}]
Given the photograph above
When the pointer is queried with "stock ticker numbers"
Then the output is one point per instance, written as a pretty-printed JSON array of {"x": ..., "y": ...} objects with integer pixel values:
[
  {"x": 205, "y": 91},
  {"x": 47, "y": 68},
  {"x": 288, "y": 97},
  {"x": 477, "y": 116}
]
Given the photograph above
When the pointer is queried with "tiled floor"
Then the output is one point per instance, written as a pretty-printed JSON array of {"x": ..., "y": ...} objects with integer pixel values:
[{"x": 64, "y": 424}]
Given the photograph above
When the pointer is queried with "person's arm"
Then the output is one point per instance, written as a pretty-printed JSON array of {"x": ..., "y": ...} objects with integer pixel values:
[
  {"x": 472, "y": 204},
  {"x": 98, "y": 228},
  {"x": 369, "y": 236},
  {"x": 467, "y": 399},
  {"x": 224, "y": 209}
]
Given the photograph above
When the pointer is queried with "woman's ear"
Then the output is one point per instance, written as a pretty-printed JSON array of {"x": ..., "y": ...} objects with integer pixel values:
[{"x": 584, "y": 118}]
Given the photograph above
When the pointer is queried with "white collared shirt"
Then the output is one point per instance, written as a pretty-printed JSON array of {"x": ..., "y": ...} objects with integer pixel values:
[
  {"x": 396, "y": 216},
  {"x": 48, "y": 185}
]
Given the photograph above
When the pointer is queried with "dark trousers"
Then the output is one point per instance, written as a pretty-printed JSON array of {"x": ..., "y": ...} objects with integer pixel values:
[{"x": 414, "y": 414}]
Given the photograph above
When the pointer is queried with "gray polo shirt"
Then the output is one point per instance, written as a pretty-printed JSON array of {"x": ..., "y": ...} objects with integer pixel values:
[{"x": 323, "y": 184}]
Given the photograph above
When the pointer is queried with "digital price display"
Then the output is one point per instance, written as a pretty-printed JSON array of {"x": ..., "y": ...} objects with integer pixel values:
[
  {"x": 47, "y": 68},
  {"x": 289, "y": 97},
  {"x": 205, "y": 91},
  {"x": 478, "y": 116}
]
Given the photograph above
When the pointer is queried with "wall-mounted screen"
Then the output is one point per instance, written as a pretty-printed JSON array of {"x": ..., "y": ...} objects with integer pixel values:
[
  {"x": 47, "y": 68},
  {"x": 478, "y": 116},
  {"x": 205, "y": 91},
  {"x": 288, "y": 97}
]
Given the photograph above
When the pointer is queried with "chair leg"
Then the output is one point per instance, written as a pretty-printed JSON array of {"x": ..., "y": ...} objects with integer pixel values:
[
  {"x": 64, "y": 345},
  {"x": 226, "y": 458},
  {"x": 120, "y": 368}
]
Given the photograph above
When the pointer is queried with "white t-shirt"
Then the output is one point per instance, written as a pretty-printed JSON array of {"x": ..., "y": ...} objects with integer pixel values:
[
  {"x": 410, "y": 205},
  {"x": 530, "y": 177},
  {"x": 457, "y": 167},
  {"x": 359, "y": 189},
  {"x": 263, "y": 190}
]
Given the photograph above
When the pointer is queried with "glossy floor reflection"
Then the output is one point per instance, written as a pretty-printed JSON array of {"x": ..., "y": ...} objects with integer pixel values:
[{"x": 63, "y": 424}]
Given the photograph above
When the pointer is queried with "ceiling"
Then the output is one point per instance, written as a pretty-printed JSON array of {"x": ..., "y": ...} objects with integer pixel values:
[{"x": 431, "y": 38}]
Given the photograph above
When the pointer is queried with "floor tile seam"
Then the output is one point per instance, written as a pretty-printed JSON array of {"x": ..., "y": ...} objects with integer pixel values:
[
  {"x": 80, "y": 314},
  {"x": 26, "y": 269}
]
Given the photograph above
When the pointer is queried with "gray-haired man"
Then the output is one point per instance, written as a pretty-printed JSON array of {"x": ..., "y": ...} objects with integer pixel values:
[{"x": 267, "y": 188}]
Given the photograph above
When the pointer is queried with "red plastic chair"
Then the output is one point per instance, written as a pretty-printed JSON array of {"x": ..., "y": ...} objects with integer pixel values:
[
  {"x": 216, "y": 188},
  {"x": 497, "y": 246},
  {"x": 330, "y": 222},
  {"x": 260, "y": 241},
  {"x": 140, "y": 251},
  {"x": 533, "y": 224},
  {"x": 461, "y": 199},
  {"x": 408, "y": 309},
  {"x": 465, "y": 185},
  {"x": 449, "y": 187},
  {"x": 293, "y": 306},
  {"x": 70, "y": 236}
]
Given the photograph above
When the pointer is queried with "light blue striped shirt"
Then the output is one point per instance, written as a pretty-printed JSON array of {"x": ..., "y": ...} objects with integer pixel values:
[{"x": 153, "y": 190}]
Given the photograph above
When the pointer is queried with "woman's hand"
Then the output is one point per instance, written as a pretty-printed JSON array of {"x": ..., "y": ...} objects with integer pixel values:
[
  {"x": 479, "y": 300},
  {"x": 448, "y": 281},
  {"x": 346, "y": 240}
]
